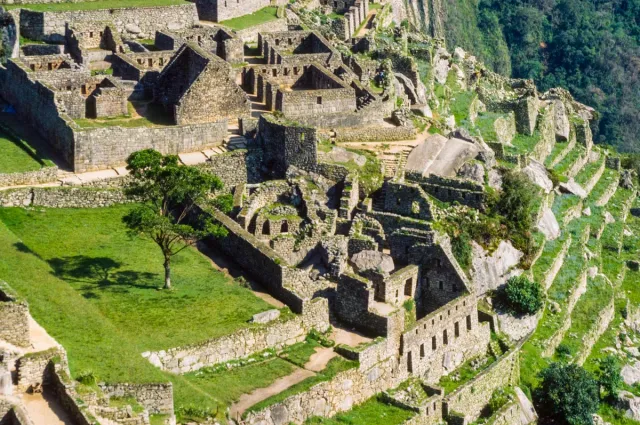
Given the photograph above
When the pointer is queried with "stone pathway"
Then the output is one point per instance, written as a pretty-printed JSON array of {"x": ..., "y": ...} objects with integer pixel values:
[
  {"x": 44, "y": 410},
  {"x": 317, "y": 362}
]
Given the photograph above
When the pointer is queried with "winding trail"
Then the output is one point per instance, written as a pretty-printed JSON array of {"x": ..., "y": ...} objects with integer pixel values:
[{"x": 317, "y": 362}]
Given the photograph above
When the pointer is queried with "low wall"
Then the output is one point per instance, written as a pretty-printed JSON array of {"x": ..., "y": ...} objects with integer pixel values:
[
  {"x": 156, "y": 398},
  {"x": 15, "y": 319},
  {"x": 375, "y": 134},
  {"x": 509, "y": 414},
  {"x": 62, "y": 389},
  {"x": 134, "y": 22},
  {"x": 14, "y": 416},
  {"x": 472, "y": 397},
  {"x": 32, "y": 367},
  {"x": 340, "y": 394},
  {"x": 245, "y": 342},
  {"x": 250, "y": 35},
  {"x": 61, "y": 197},
  {"x": 43, "y": 175}
]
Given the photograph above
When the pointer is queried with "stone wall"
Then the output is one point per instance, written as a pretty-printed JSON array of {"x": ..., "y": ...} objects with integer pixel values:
[
  {"x": 472, "y": 397},
  {"x": 156, "y": 398},
  {"x": 15, "y": 318},
  {"x": 250, "y": 35},
  {"x": 511, "y": 413},
  {"x": 16, "y": 415},
  {"x": 375, "y": 134},
  {"x": 245, "y": 342},
  {"x": 62, "y": 197},
  {"x": 100, "y": 148},
  {"x": 340, "y": 394},
  {"x": 235, "y": 167},
  {"x": 443, "y": 340},
  {"x": 220, "y": 10},
  {"x": 32, "y": 367},
  {"x": 62, "y": 388},
  {"x": 286, "y": 143},
  {"x": 132, "y": 22}
]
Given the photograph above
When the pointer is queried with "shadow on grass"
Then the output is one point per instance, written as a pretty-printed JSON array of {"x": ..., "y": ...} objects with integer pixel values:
[
  {"x": 101, "y": 273},
  {"x": 21, "y": 247}
]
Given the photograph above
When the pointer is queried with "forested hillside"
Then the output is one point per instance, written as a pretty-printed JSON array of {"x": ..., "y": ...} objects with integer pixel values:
[{"x": 591, "y": 47}]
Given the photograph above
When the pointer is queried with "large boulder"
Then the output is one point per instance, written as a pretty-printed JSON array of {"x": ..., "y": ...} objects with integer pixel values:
[
  {"x": 561, "y": 121},
  {"x": 548, "y": 224},
  {"x": 528, "y": 413},
  {"x": 630, "y": 404},
  {"x": 574, "y": 188},
  {"x": 626, "y": 179},
  {"x": 489, "y": 271},
  {"x": 9, "y": 45},
  {"x": 342, "y": 155},
  {"x": 367, "y": 260},
  {"x": 441, "y": 65},
  {"x": 537, "y": 173},
  {"x": 472, "y": 171},
  {"x": 631, "y": 374}
]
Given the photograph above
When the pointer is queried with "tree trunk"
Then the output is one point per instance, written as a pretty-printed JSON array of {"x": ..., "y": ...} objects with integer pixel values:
[{"x": 167, "y": 273}]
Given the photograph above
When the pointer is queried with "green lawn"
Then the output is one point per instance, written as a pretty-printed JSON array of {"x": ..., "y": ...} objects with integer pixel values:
[
  {"x": 256, "y": 18},
  {"x": 371, "y": 412},
  {"x": 94, "y": 5},
  {"x": 95, "y": 291},
  {"x": 90, "y": 250},
  {"x": 16, "y": 157}
]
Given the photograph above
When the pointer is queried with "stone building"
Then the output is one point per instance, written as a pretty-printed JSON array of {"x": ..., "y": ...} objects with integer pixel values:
[
  {"x": 215, "y": 39},
  {"x": 196, "y": 87},
  {"x": 222, "y": 10},
  {"x": 93, "y": 41}
]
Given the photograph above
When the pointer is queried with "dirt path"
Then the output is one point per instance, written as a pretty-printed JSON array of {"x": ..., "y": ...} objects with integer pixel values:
[
  {"x": 248, "y": 400},
  {"x": 45, "y": 410},
  {"x": 317, "y": 362}
]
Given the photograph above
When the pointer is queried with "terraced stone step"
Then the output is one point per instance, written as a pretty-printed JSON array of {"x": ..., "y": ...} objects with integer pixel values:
[{"x": 590, "y": 318}]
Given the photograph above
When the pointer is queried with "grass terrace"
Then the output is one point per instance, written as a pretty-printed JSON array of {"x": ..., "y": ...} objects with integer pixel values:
[
  {"x": 334, "y": 367},
  {"x": 558, "y": 149},
  {"x": 95, "y": 5},
  {"x": 95, "y": 291},
  {"x": 461, "y": 104},
  {"x": 568, "y": 161},
  {"x": 585, "y": 315},
  {"x": 261, "y": 16},
  {"x": 464, "y": 374},
  {"x": 140, "y": 115},
  {"x": 589, "y": 170},
  {"x": 88, "y": 257},
  {"x": 562, "y": 204},
  {"x": 609, "y": 177},
  {"x": 372, "y": 412},
  {"x": 549, "y": 255},
  {"x": 524, "y": 144},
  {"x": 17, "y": 156}
]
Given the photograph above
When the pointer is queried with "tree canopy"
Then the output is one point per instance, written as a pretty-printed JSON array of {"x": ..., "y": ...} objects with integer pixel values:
[{"x": 167, "y": 195}]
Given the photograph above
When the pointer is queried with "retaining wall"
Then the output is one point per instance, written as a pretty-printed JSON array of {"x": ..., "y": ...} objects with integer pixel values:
[{"x": 245, "y": 342}]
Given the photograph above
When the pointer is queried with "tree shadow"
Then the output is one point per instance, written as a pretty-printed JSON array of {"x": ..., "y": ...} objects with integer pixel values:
[
  {"x": 101, "y": 273},
  {"x": 21, "y": 247}
]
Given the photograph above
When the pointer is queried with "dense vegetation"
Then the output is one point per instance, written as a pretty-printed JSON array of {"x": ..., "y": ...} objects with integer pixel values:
[
  {"x": 522, "y": 296},
  {"x": 590, "y": 47}
]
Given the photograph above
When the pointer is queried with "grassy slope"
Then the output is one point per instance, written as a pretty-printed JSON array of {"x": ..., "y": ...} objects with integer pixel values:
[
  {"x": 14, "y": 158},
  {"x": 91, "y": 251},
  {"x": 105, "y": 332},
  {"x": 371, "y": 412},
  {"x": 98, "y": 4},
  {"x": 256, "y": 18}
]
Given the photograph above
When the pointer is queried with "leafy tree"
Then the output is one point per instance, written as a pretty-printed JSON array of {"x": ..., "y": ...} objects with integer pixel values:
[
  {"x": 519, "y": 196},
  {"x": 167, "y": 194},
  {"x": 522, "y": 296},
  {"x": 609, "y": 376},
  {"x": 224, "y": 203},
  {"x": 568, "y": 394}
]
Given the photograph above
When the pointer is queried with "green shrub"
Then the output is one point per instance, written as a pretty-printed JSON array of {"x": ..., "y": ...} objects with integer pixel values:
[
  {"x": 609, "y": 376},
  {"x": 224, "y": 203},
  {"x": 568, "y": 394},
  {"x": 461, "y": 247},
  {"x": 521, "y": 296}
]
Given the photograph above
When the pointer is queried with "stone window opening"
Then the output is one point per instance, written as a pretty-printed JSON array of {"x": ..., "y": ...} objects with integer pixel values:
[
  {"x": 277, "y": 42},
  {"x": 274, "y": 72},
  {"x": 469, "y": 322},
  {"x": 284, "y": 228},
  {"x": 416, "y": 331},
  {"x": 433, "y": 322},
  {"x": 445, "y": 338},
  {"x": 225, "y": 3},
  {"x": 421, "y": 351},
  {"x": 434, "y": 343},
  {"x": 50, "y": 66},
  {"x": 295, "y": 70},
  {"x": 409, "y": 363},
  {"x": 456, "y": 329},
  {"x": 408, "y": 287},
  {"x": 101, "y": 34},
  {"x": 33, "y": 67},
  {"x": 397, "y": 294},
  {"x": 90, "y": 34},
  {"x": 441, "y": 285},
  {"x": 266, "y": 228},
  {"x": 161, "y": 61},
  {"x": 439, "y": 263},
  {"x": 319, "y": 100},
  {"x": 454, "y": 287},
  {"x": 448, "y": 312},
  {"x": 150, "y": 61},
  {"x": 425, "y": 326}
]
